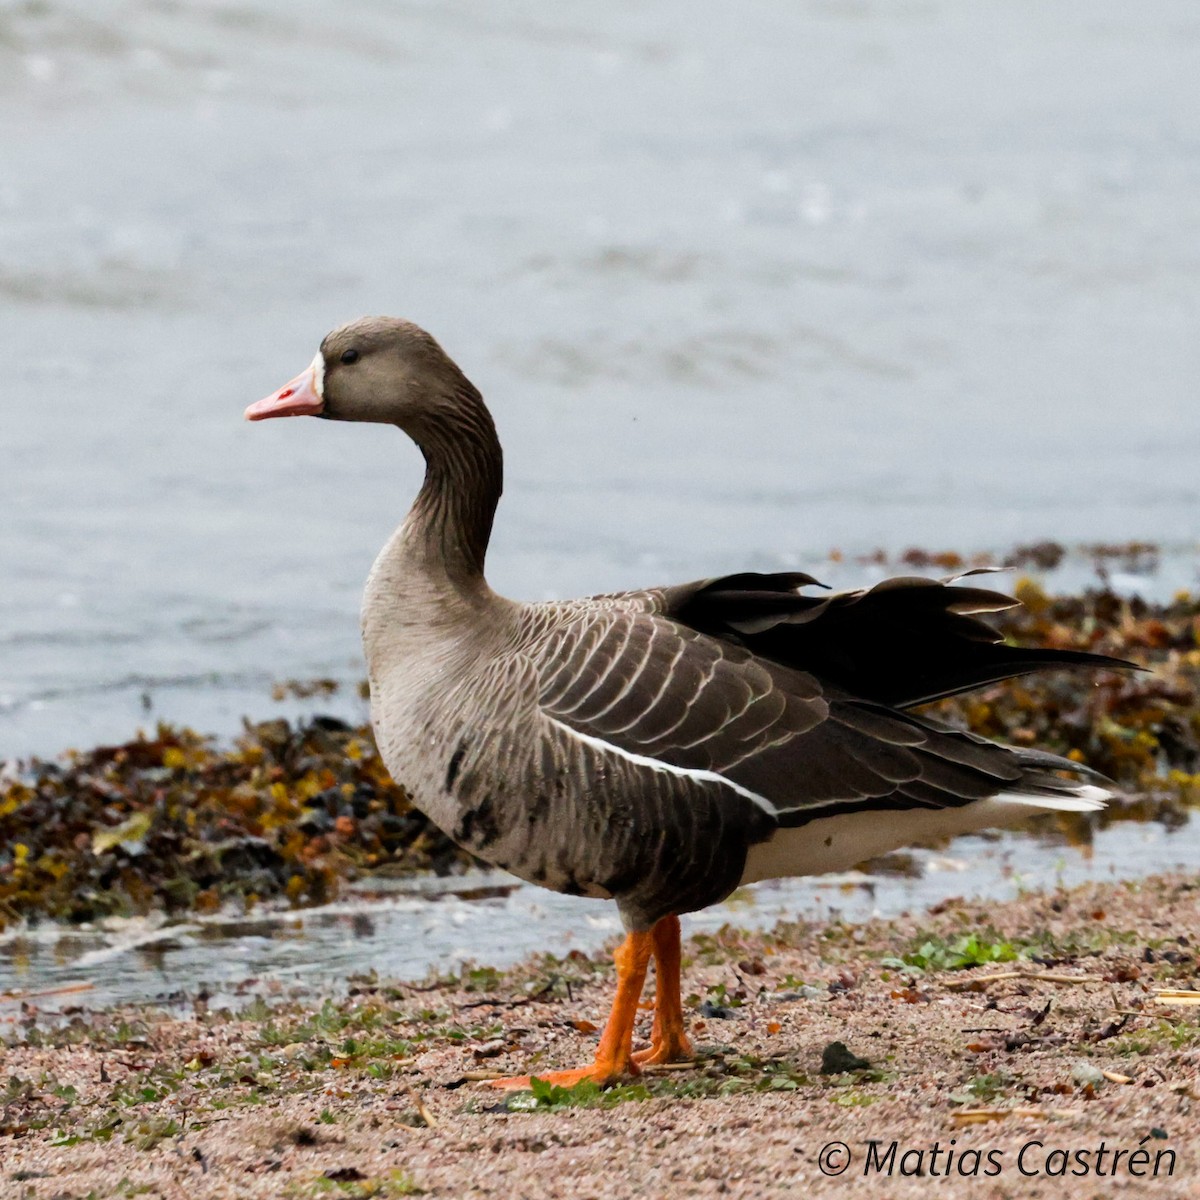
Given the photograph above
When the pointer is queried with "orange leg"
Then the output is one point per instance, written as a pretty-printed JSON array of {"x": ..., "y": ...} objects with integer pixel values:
[
  {"x": 668, "y": 1041},
  {"x": 613, "y": 1057}
]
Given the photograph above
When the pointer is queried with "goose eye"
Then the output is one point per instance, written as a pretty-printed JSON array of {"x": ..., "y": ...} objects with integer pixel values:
[{"x": 349, "y": 356}]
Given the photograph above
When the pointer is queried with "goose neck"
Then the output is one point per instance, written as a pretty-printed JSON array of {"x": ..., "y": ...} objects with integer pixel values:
[{"x": 450, "y": 523}]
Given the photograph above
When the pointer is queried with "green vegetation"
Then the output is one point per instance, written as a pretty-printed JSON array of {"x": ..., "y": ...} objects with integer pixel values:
[
  {"x": 1175, "y": 1034},
  {"x": 713, "y": 1076},
  {"x": 984, "y": 1089},
  {"x": 348, "y": 1184},
  {"x": 955, "y": 954}
]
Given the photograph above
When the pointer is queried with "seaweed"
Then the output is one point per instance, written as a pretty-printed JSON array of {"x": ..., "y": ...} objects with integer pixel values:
[{"x": 173, "y": 821}]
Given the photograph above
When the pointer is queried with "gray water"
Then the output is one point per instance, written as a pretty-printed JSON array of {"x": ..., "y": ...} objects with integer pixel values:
[{"x": 742, "y": 284}]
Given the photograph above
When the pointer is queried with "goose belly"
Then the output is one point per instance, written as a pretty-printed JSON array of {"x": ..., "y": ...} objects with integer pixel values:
[{"x": 841, "y": 842}]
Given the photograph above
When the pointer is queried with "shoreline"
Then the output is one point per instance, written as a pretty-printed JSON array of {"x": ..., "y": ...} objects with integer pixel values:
[
  {"x": 215, "y": 695},
  {"x": 986, "y": 1028},
  {"x": 174, "y": 821}
]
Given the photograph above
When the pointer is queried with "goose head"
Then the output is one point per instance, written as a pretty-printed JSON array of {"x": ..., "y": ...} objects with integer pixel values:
[{"x": 378, "y": 369}]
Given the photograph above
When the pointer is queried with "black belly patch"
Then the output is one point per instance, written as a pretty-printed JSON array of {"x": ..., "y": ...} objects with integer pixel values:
[
  {"x": 455, "y": 763},
  {"x": 478, "y": 826}
]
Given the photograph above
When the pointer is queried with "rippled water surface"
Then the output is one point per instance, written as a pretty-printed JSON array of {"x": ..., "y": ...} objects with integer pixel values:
[{"x": 742, "y": 284}]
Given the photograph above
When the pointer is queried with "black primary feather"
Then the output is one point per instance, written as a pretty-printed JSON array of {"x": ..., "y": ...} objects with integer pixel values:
[{"x": 905, "y": 642}]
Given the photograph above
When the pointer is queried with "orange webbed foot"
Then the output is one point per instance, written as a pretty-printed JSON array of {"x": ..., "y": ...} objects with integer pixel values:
[
  {"x": 670, "y": 1048},
  {"x": 668, "y": 1040},
  {"x": 599, "y": 1073},
  {"x": 613, "y": 1058}
]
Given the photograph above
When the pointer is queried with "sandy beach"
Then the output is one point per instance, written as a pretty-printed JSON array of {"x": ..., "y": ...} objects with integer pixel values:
[
  {"x": 1067, "y": 1028},
  {"x": 975, "y": 1041}
]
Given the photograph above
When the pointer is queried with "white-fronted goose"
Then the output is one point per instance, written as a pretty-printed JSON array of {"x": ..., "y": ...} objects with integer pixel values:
[{"x": 656, "y": 747}]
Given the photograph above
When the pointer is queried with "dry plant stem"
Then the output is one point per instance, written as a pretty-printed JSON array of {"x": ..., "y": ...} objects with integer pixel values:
[
  {"x": 614, "y": 1054},
  {"x": 67, "y": 989},
  {"x": 1177, "y": 996},
  {"x": 1003, "y": 976},
  {"x": 421, "y": 1107},
  {"x": 980, "y": 1116}
]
